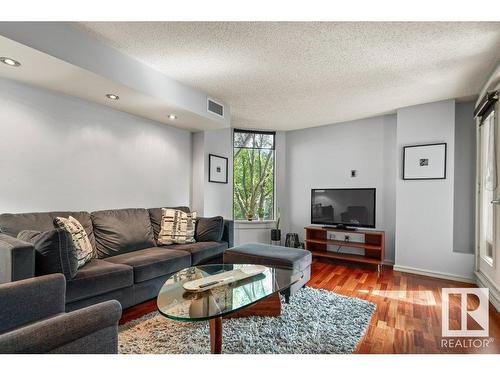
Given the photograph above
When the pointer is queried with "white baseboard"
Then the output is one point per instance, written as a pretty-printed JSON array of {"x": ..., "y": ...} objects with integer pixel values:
[
  {"x": 485, "y": 282},
  {"x": 439, "y": 275}
]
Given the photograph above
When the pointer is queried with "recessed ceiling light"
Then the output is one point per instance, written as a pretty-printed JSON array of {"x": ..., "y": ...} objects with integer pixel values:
[
  {"x": 112, "y": 96},
  {"x": 10, "y": 62},
  {"x": 172, "y": 116}
]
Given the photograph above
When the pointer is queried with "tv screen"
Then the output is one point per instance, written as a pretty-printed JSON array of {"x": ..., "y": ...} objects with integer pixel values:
[{"x": 348, "y": 207}]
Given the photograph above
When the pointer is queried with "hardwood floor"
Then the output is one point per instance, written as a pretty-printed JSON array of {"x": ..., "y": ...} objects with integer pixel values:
[{"x": 408, "y": 314}]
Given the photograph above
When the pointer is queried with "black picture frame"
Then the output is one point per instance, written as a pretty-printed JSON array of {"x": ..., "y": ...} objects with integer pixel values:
[
  {"x": 425, "y": 145},
  {"x": 212, "y": 178}
]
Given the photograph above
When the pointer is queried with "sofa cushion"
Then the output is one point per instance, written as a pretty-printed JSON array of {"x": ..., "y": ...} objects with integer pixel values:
[
  {"x": 155, "y": 215},
  {"x": 121, "y": 231},
  {"x": 153, "y": 262},
  {"x": 98, "y": 277},
  {"x": 12, "y": 224},
  {"x": 81, "y": 242},
  {"x": 55, "y": 252},
  {"x": 269, "y": 255},
  {"x": 209, "y": 229},
  {"x": 201, "y": 252}
]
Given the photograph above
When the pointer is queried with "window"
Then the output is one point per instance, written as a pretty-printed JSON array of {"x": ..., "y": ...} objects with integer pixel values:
[
  {"x": 488, "y": 188},
  {"x": 253, "y": 175}
]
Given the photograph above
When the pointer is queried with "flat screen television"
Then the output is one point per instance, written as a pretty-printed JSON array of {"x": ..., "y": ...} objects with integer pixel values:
[{"x": 343, "y": 207}]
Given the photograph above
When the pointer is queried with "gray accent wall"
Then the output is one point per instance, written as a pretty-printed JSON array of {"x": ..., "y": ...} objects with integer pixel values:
[
  {"x": 465, "y": 179},
  {"x": 61, "y": 153}
]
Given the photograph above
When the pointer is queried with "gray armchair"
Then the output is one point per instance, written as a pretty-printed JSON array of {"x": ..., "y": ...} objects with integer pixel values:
[{"x": 32, "y": 320}]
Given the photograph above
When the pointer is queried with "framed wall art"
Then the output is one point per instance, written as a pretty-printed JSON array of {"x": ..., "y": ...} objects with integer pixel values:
[
  {"x": 217, "y": 169},
  {"x": 424, "y": 162}
]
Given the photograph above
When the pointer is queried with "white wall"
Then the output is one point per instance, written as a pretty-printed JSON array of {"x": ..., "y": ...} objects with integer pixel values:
[
  {"x": 245, "y": 232},
  {"x": 219, "y": 197},
  {"x": 62, "y": 153},
  {"x": 211, "y": 198},
  {"x": 198, "y": 181},
  {"x": 424, "y": 209},
  {"x": 323, "y": 157}
]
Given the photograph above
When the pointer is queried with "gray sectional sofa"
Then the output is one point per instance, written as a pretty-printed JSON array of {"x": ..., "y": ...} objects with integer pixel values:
[{"x": 130, "y": 267}]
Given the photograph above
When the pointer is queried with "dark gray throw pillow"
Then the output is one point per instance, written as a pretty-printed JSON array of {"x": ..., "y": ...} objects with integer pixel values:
[
  {"x": 55, "y": 252},
  {"x": 209, "y": 229}
]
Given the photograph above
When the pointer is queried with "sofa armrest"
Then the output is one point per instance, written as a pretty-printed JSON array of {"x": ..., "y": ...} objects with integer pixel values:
[
  {"x": 50, "y": 334},
  {"x": 30, "y": 300},
  {"x": 17, "y": 259},
  {"x": 228, "y": 235}
]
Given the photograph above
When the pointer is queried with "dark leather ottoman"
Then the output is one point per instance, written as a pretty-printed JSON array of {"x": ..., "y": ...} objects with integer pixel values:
[{"x": 273, "y": 256}]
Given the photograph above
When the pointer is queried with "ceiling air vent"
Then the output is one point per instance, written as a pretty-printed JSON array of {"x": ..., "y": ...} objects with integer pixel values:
[{"x": 215, "y": 108}]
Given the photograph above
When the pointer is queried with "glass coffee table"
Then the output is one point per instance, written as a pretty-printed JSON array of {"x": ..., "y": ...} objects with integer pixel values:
[{"x": 256, "y": 295}]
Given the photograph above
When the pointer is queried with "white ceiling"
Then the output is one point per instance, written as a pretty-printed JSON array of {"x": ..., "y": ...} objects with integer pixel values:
[{"x": 289, "y": 75}]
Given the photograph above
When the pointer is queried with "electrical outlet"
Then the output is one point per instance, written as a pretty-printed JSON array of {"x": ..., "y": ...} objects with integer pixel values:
[{"x": 353, "y": 173}]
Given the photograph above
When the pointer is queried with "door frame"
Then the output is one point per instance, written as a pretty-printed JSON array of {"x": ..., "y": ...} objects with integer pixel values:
[{"x": 477, "y": 244}]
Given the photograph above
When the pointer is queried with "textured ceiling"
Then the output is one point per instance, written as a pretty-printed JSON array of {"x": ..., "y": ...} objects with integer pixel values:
[{"x": 289, "y": 75}]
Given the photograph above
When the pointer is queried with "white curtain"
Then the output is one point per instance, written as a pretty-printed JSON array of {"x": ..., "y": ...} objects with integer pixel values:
[
  {"x": 490, "y": 178},
  {"x": 489, "y": 167}
]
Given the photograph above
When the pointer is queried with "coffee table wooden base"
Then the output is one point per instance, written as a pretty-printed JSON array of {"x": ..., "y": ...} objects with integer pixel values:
[
  {"x": 216, "y": 335},
  {"x": 271, "y": 306}
]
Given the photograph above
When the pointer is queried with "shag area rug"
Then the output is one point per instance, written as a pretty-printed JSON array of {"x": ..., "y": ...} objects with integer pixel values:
[{"x": 315, "y": 321}]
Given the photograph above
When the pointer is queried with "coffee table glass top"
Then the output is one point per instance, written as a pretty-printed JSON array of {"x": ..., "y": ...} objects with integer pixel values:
[{"x": 175, "y": 302}]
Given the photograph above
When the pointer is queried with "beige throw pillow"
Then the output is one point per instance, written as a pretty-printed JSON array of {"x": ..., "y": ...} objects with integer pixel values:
[
  {"x": 176, "y": 227},
  {"x": 83, "y": 247}
]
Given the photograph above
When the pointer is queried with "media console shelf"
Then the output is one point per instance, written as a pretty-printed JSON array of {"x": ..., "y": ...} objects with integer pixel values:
[{"x": 317, "y": 242}]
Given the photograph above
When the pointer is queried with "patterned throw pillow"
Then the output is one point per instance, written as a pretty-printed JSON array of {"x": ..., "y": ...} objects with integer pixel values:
[
  {"x": 176, "y": 227},
  {"x": 83, "y": 247}
]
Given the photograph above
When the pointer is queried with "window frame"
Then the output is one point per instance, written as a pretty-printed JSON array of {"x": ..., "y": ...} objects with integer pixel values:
[
  {"x": 489, "y": 115},
  {"x": 273, "y": 148}
]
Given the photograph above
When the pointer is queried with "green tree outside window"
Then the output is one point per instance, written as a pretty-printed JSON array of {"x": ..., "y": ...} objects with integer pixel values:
[{"x": 253, "y": 175}]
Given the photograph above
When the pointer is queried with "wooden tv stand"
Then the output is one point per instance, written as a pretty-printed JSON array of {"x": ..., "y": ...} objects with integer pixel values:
[{"x": 316, "y": 242}]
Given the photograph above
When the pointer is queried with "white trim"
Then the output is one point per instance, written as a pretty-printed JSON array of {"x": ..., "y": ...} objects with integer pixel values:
[
  {"x": 254, "y": 221},
  {"x": 484, "y": 282},
  {"x": 439, "y": 275},
  {"x": 487, "y": 260},
  {"x": 477, "y": 190},
  {"x": 257, "y": 224}
]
